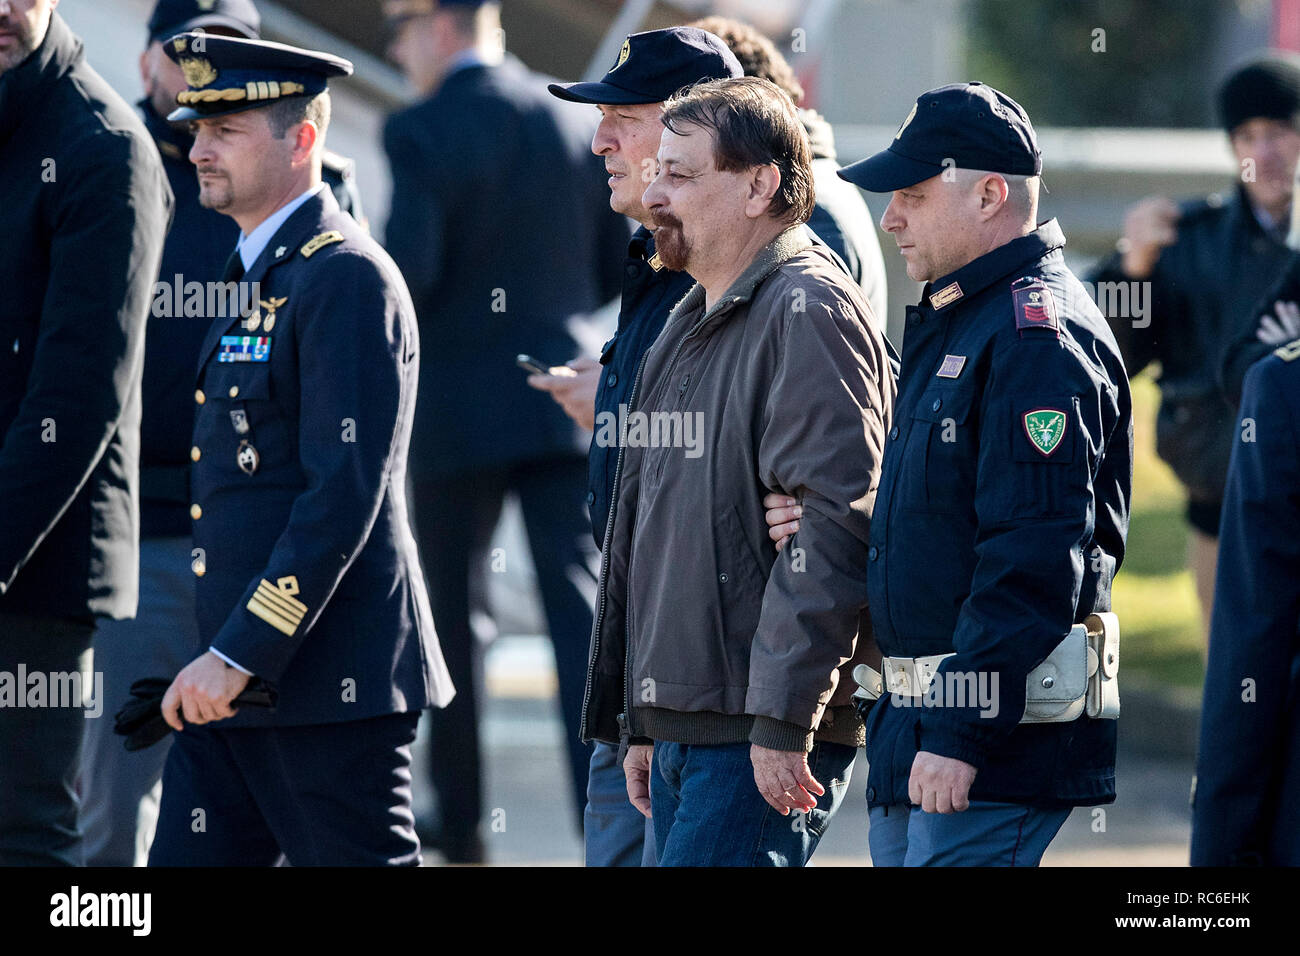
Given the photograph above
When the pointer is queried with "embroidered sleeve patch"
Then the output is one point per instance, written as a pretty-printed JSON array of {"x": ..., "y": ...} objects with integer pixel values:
[
  {"x": 1034, "y": 305},
  {"x": 1045, "y": 427}
]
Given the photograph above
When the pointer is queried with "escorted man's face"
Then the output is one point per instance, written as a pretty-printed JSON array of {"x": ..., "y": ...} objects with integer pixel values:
[
  {"x": 1272, "y": 147},
  {"x": 628, "y": 137},
  {"x": 23, "y": 24},
  {"x": 929, "y": 222},
  {"x": 237, "y": 161},
  {"x": 692, "y": 203}
]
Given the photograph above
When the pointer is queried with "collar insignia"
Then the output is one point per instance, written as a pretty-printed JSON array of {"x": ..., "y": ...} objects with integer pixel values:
[{"x": 949, "y": 293}]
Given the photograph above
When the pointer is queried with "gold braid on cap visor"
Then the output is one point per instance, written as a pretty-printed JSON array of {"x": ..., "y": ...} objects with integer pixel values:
[{"x": 259, "y": 90}]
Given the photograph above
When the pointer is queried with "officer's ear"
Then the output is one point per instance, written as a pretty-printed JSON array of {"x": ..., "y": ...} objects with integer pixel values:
[
  {"x": 305, "y": 138},
  {"x": 993, "y": 193}
]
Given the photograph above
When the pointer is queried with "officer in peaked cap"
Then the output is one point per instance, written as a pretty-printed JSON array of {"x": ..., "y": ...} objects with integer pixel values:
[
  {"x": 1003, "y": 504},
  {"x": 118, "y": 806},
  {"x": 307, "y": 575}
]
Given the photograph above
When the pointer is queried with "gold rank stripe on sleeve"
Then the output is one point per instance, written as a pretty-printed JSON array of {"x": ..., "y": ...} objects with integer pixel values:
[
  {"x": 318, "y": 242},
  {"x": 276, "y": 605}
]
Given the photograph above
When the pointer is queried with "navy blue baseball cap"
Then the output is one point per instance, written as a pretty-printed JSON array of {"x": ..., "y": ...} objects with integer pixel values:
[
  {"x": 227, "y": 75},
  {"x": 654, "y": 65},
  {"x": 171, "y": 17},
  {"x": 971, "y": 125}
]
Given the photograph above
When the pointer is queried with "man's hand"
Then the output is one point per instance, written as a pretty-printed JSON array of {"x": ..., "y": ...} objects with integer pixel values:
[
  {"x": 636, "y": 768},
  {"x": 576, "y": 391},
  {"x": 1149, "y": 226},
  {"x": 784, "y": 780},
  {"x": 782, "y": 515},
  {"x": 203, "y": 690},
  {"x": 1281, "y": 327},
  {"x": 940, "y": 784}
]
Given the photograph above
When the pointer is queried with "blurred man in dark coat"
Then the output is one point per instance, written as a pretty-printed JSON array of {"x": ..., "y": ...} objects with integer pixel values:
[
  {"x": 87, "y": 205},
  {"x": 501, "y": 225}
]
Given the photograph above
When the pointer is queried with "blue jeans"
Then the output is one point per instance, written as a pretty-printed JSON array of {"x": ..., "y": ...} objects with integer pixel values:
[
  {"x": 613, "y": 831},
  {"x": 708, "y": 811},
  {"x": 985, "y": 834}
]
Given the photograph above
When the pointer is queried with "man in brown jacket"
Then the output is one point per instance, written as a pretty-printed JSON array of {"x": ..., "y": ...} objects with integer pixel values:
[{"x": 726, "y": 662}]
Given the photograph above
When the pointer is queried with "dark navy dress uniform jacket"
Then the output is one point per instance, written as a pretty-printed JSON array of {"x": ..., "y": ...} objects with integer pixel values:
[
  {"x": 309, "y": 575},
  {"x": 1248, "y": 765},
  {"x": 987, "y": 543}
]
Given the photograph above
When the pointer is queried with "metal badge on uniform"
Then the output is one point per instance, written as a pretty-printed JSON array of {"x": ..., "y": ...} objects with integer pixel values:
[
  {"x": 949, "y": 293},
  {"x": 269, "y": 306},
  {"x": 951, "y": 367},
  {"x": 1035, "y": 307},
  {"x": 245, "y": 348},
  {"x": 247, "y": 458},
  {"x": 239, "y": 419}
]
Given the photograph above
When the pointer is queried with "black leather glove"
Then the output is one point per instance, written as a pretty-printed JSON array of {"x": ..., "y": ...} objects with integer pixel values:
[{"x": 141, "y": 722}]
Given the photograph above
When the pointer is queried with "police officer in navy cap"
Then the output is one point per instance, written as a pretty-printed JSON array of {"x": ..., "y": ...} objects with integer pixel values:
[
  {"x": 306, "y": 571},
  {"x": 501, "y": 225},
  {"x": 119, "y": 802},
  {"x": 1003, "y": 505},
  {"x": 1248, "y": 763},
  {"x": 650, "y": 68}
]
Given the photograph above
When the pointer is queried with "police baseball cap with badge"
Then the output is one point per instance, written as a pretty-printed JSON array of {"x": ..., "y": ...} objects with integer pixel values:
[
  {"x": 654, "y": 65},
  {"x": 171, "y": 17},
  {"x": 228, "y": 75},
  {"x": 965, "y": 125}
]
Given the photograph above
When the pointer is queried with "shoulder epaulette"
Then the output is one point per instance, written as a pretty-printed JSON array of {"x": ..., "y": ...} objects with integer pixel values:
[
  {"x": 1289, "y": 352},
  {"x": 319, "y": 242}
]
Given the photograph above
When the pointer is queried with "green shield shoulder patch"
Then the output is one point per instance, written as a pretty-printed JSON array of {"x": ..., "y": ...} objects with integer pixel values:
[{"x": 1045, "y": 428}]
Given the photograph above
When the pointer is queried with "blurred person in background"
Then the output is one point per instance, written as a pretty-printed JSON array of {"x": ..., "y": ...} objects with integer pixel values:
[
  {"x": 85, "y": 206},
  {"x": 650, "y": 67},
  {"x": 119, "y": 788},
  {"x": 501, "y": 224},
  {"x": 840, "y": 217},
  {"x": 1208, "y": 262}
]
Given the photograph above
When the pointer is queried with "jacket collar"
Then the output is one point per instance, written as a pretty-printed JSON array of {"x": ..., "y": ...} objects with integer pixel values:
[
  {"x": 771, "y": 257},
  {"x": 305, "y": 223},
  {"x": 978, "y": 274},
  {"x": 59, "y": 53}
]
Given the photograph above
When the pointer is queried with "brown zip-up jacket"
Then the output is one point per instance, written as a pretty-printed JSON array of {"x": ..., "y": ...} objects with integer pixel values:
[{"x": 784, "y": 386}]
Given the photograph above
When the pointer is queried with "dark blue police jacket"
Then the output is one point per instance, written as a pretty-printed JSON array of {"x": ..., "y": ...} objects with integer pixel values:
[
  {"x": 1248, "y": 766},
  {"x": 1001, "y": 518},
  {"x": 502, "y": 228},
  {"x": 308, "y": 574},
  {"x": 650, "y": 290}
]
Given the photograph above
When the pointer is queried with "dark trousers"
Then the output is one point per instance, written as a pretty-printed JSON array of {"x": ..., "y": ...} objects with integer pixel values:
[
  {"x": 322, "y": 795},
  {"x": 454, "y": 521},
  {"x": 40, "y": 746}
]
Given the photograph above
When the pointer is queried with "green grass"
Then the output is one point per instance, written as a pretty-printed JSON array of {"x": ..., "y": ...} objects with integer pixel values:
[{"x": 1154, "y": 594}]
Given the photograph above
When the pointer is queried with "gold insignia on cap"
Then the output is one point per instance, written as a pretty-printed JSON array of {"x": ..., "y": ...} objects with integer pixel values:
[
  {"x": 276, "y": 605},
  {"x": 622, "y": 54},
  {"x": 206, "y": 5},
  {"x": 180, "y": 43},
  {"x": 910, "y": 116},
  {"x": 198, "y": 71},
  {"x": 317, "y": 242}
]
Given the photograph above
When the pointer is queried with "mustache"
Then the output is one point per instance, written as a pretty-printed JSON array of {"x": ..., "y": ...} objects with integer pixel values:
[{"x": 661, "y": 219}]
